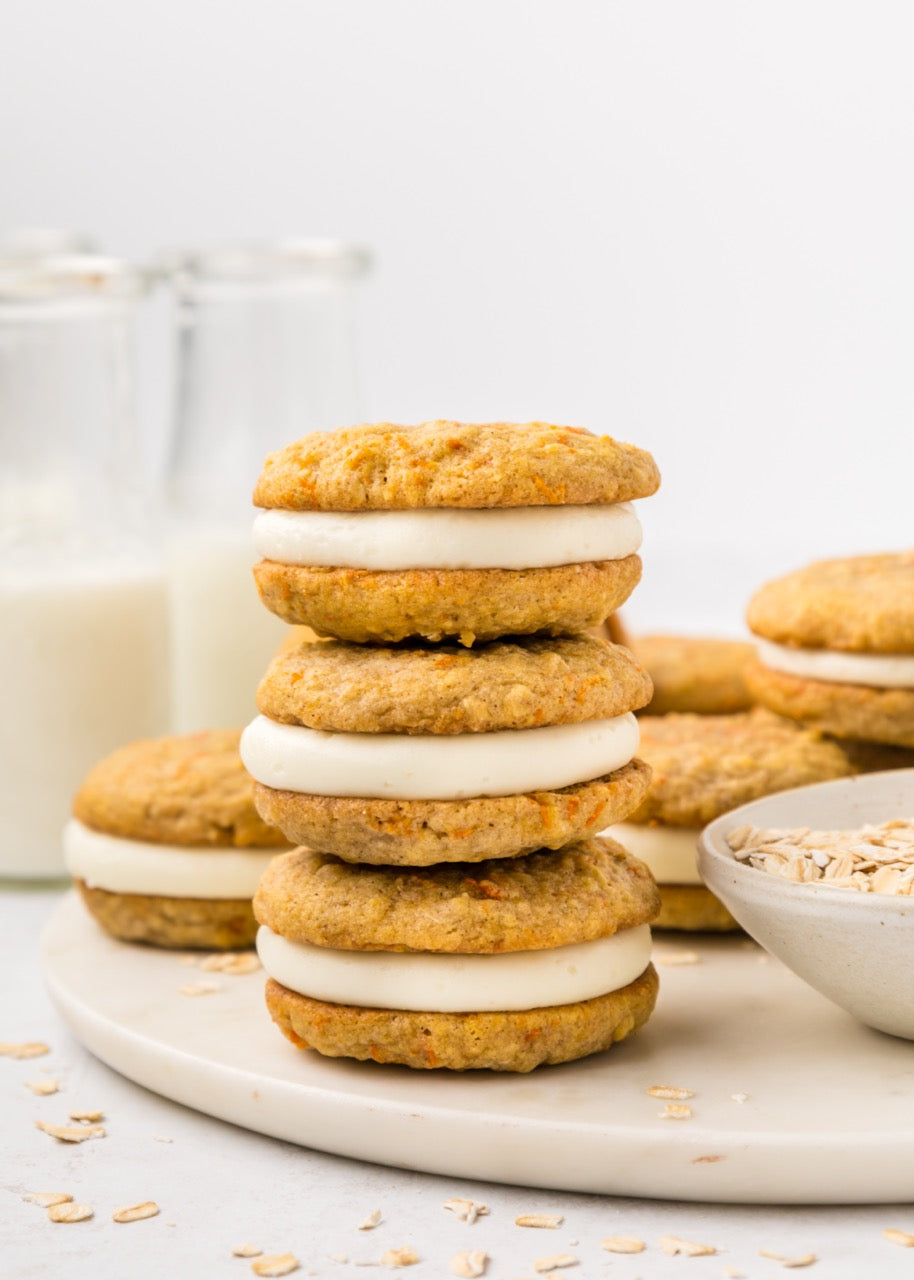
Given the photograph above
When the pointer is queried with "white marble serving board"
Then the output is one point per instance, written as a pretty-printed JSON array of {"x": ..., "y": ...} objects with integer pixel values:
[{"x": 827, "y": 1114}]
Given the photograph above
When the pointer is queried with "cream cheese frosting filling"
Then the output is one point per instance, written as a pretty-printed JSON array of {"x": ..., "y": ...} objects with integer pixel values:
[
  {"x": 447, "y": 538},
  {"x": 669, "y": 852},
  {"x": 400, "y": 766},
  {"x": 164, "y": 870},
  {"x": 877, "y": 670},
  {"x": 446, "y": 983}
]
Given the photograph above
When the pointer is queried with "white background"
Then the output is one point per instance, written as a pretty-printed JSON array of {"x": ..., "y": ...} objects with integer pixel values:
[{"x": 688, "y": 224}]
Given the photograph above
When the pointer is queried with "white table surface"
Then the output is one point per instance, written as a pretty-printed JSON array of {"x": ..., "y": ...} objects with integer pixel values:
[{"x": 218, "y": 1186}]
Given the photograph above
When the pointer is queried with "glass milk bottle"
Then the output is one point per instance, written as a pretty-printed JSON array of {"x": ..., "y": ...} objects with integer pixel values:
[
  {"x": 83, "y": 620},
  {"x": 265, "y": 354}
]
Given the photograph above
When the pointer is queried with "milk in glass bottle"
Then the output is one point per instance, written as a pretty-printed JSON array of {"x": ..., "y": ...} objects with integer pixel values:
[
  {"x": 83, "y": 622},
  {"x": 265, "y": 353}
]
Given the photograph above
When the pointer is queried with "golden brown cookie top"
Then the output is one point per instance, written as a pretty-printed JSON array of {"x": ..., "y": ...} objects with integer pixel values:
[
  {"x": 385, "y": 467},
  {"x": 864, "y": 604},
  {"x": 706, "y": 765},
  {"x": 190, "y": 790},
  {"x": 447, "y": 689},
  {"x": 695, "y": 673},
  {"x": 546, "y": 899}
]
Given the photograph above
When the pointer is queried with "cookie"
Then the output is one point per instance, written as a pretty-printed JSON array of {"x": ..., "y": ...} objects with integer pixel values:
[
  {"x": 418, "y": 754},
  {"x": 694, "y": 908},
  {"x": 846, "y": 710},
  {"x": 189, "y": 790},
  {"x": 704, "y": 766},
  {"x": 166, "y": 846},
  {"x": 697, "y": 674},
  {"x": 502, "y": 965},
  {"x": 385, "y": 467},
  {"x": 585, "y": 891},
  {"x": 443, "y": 689},
  {"x": 468, "y": 605},
  {"x": 450, "y": 530},
  {"x": 516, "y": 1040},
  {"x": 836, "y": 647},
  {"x": 423, "y": 832},
  {"x": 864, "y": 604}
]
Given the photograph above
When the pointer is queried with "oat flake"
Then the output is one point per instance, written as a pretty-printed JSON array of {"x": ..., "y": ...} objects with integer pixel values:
[
  {"x": 275, "y": 1264},
  {"x": 70, "y": 1212},
  {"x": 622, "y": 1244},
  {"x": 469, "y": 1263}
]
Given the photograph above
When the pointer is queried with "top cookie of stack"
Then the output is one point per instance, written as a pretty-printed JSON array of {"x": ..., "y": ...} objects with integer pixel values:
[{"x": 448, "y": 530}]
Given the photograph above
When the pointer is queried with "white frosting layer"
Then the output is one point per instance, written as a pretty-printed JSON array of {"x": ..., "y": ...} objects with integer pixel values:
[
  {"x": 435, "y": 767},
  {"x": 447, "y": 538},
  {"x": 457, "y": 983},
  {"x": 670, "y": 852},
  {"x": 878, "y": 670},
  {"x": 169, "y": 870}
]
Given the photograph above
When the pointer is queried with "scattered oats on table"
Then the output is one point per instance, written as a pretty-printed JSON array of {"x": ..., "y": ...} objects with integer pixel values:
[
  {"x": 234, "y": 963},
  {"x": 70, "y": 1212},
  {"x": 669, "y": 1091},
  {"x": 246, "y": 1251},
  {"x": 405, "y": 1257},
  {"x": 275, "y": 1264},
  {"x": 43, "y": 1088},
  {"x": 553, "y": 1261},
  {"x": 136, "y": 1212},
  {"x": 46, "y": 1198},
  {"x": 87, "y": 1117},
  {"x": 623, "y": 1244},
  {"x": 675, "y": 1111},
  {"x": 71, "y": 1132},
  {"x": 199, "y": 989},
  {"x": 671, "y": 1245},
  {"x": 550, "y": 1220},
  {"x": 469, "y": 1263},
  {"x": 805, "y": 1260},
  {"x": 894, "y": 1236},
  {"x": 371, "y": 1221},
  {"x": 465, "y": 1210},
  {"x": 26, "y": 1049}
]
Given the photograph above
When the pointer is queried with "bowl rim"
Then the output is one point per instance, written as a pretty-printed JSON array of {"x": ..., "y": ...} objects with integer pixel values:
[{"x": 713, "y": 850}]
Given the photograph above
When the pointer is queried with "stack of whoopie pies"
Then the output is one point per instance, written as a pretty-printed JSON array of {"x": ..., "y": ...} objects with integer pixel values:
[{"x": 448, "y": 755}]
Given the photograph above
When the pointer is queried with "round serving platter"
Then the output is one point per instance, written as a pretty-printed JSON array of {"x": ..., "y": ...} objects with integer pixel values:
[{"x": 794, "y": 1102}]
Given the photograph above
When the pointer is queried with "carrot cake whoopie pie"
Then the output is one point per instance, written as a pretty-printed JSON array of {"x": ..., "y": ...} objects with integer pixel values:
[
  {"x": 836, "y": 647},
  {"x": 165, "y": 844},
  {"x": 504, "y": 965},
  {"x": 703, "y": 766},
  {"x": 449, "y": 530},
  {"x": 418, "y": 754}
]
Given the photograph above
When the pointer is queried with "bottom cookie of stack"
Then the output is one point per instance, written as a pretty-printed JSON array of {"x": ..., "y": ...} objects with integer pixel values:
[{"x": 503, "y": 965}]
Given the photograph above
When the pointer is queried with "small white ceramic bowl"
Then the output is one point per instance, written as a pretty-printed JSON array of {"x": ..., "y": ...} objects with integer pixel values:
[{"x": 856, "y": 948}]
